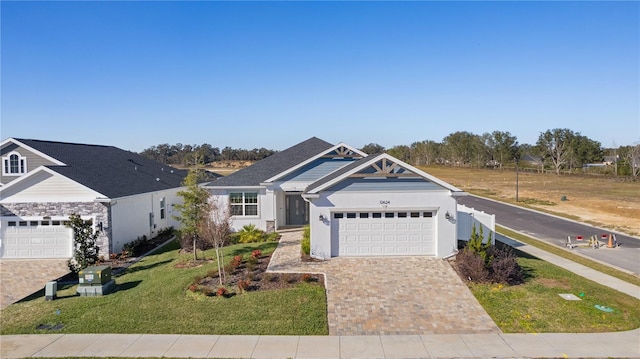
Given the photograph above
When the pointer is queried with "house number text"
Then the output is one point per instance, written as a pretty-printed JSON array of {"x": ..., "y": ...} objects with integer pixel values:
[{"x": 385, "y": 202}]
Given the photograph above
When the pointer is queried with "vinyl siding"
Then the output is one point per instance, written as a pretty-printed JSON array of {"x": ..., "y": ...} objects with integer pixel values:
[
  {"x": 45, "y": 187},
  {"x": 33, "y": 161}
]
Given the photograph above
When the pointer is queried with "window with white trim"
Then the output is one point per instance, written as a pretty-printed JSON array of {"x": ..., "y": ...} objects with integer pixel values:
[
  {"x": 162, "y": 208},
  {"x": 244, "y": 203},
  {"x": 14, "y": 164}
]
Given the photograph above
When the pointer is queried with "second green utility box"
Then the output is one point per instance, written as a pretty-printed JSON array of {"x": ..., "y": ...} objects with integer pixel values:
[{"x": 98, "y": 275}]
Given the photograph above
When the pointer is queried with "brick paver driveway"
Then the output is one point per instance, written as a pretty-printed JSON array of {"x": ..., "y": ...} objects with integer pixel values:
[
  {"x": 22, "y": 277},
  {"x": 389, "y": 295}
]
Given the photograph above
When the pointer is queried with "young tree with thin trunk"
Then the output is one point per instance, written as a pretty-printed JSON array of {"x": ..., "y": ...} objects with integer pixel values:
[
  {"x": 215, "y": 229},
  {"x": 193, "y": 209}
]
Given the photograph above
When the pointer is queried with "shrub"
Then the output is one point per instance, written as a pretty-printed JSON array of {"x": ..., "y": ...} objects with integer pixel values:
[
  {"x": 243, "y": 285},
  {"x": 305, "y": 245},
  {"x": 166, "y": 232},
  {"x": 136, "y": 246},
  {"x": 85, "y": 247},
  {"x": 251, "y": 264},
  {"x": 505, "y": 268},
  {"x": 471, "y": 266},
  {"x": 251, "y": 234},
  {"x": 307, "y": 277},
  {"x": 236, "y": 262},
  {"x": 272, "y": 237},
  {"x": 213, "y": 272},
  {"x": 288, "y": 277},
  {"x": 256, "y": 254},
  {"x": 221, "y": 292}
]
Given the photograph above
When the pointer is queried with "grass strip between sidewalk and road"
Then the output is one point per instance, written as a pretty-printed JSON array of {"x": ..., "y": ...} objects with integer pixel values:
[{"x": 627, "y": 277}]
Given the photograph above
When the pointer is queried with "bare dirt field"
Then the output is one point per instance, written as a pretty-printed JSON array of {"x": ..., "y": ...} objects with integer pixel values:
[{"x": 609, "y": 202}]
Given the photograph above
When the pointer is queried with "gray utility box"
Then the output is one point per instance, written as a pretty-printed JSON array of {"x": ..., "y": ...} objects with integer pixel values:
[
  {"x": 51, "y": 290},
  {"x": 98, "y": 275},
  {"x": 95, "y": 281}
]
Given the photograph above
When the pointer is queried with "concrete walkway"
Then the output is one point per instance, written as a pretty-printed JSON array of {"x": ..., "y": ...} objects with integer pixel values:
[{"x": 605, "y": 345}]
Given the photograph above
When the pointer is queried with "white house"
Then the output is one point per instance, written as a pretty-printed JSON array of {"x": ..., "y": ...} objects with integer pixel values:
[
  {"x": 355, "y": 204},
  {"x": 123, "y": 194}
]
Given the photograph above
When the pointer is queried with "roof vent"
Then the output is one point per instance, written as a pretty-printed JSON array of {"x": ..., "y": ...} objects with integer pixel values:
[{"x": 157, "y": 179}]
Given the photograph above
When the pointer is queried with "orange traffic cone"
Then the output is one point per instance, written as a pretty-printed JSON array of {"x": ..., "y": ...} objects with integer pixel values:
[{"x": 610, "y": 244}]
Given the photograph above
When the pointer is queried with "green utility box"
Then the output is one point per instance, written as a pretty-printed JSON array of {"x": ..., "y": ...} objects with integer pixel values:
[{"x": 95, "y": 276}]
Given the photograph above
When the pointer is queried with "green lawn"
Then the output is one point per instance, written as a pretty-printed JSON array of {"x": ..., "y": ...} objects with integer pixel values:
[
  {"x": 536, "y": 307},
  {"x": 152, "y": 298}
]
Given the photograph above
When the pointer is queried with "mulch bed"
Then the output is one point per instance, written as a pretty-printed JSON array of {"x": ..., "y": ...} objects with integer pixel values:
[{"x": 253, "y": 277}]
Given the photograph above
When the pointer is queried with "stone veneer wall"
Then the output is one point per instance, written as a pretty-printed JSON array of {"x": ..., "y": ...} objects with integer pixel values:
[{"x": 99, "y": 211}]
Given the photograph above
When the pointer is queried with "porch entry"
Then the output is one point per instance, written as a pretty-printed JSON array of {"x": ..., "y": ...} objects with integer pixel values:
[{"x": 297, "y": 210}]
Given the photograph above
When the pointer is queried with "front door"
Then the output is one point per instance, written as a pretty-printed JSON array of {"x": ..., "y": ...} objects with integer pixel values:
[{"x": 297, "y": 210}]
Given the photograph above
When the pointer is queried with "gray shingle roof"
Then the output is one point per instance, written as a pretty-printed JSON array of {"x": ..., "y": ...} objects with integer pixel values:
[
  {"x": 109, "y": 170},
  {"x": 274, "y": 164}
]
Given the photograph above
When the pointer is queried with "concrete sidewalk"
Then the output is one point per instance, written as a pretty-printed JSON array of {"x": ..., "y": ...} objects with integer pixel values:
[{"x": 612, "y": 345}]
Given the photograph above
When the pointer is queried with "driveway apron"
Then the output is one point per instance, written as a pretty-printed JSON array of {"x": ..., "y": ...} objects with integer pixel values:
[
  {"x": 389, "y": 295},
  {"x": 21, "y": 277}
]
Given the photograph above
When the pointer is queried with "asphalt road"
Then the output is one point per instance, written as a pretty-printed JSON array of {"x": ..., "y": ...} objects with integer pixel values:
[{"x": 555, "y": 230}]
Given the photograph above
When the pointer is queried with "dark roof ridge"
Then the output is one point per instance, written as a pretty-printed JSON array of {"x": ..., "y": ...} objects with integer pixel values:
[
  {"x": 23, "y": 140},
  {"x": 274, "y": 164}
]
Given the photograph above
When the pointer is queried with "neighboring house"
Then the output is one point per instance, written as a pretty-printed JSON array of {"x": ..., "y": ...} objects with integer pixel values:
[
  {"x": 123, "y": 194},
  {"x": 356, "y": 205}
]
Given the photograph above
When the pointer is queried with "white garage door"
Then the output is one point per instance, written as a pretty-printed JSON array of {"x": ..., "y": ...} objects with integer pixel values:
[
  {"x": 35, "y": 239},
  {"x": 383, "y": 233}
]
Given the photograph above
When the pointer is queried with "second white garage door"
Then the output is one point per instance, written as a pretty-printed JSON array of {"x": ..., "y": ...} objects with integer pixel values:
[
  {"x": 35, "y": 239},
  {"x": 383, "y": 233}
]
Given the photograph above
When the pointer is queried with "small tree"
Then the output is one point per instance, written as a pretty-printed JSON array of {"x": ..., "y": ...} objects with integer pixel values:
[
  {"x": 215, "y": 229},
  {"x": 632, "y": 157},
  {"x": 193, "y": 209},
  {"x": 85, "y": 248},
  {"x": 476, "y": 244}
]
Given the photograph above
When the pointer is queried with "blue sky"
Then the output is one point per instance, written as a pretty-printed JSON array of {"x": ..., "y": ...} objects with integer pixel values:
[{"x": 271, "y": 74}]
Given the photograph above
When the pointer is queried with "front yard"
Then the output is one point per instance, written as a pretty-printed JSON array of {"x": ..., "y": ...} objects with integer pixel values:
[{"x": 152, "y": 297}]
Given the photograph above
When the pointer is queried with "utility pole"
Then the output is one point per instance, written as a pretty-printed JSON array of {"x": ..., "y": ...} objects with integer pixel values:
[{"x": 516, "y": 159}]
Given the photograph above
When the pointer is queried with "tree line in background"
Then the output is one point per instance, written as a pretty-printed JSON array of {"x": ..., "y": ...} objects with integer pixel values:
[
  {"x": 560, "y": 150},
  {"x": 189, "y": 155}
]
